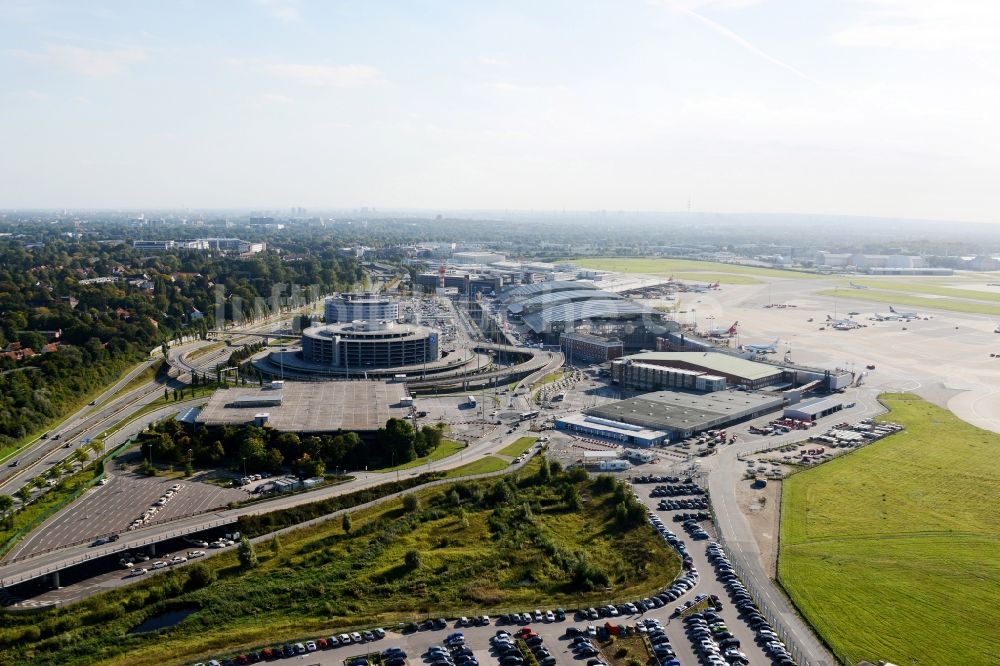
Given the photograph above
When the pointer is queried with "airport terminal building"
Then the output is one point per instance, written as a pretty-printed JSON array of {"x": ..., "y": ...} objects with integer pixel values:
[{"x": 637, "y": 370}]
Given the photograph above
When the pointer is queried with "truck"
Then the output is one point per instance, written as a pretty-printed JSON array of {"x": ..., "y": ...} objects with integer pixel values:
[{"x": 471, "y": 400}]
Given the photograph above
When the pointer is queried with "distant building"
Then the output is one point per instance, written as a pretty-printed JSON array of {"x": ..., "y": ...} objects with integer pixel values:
[
  {"x": 154, "y": 245},
  {"x": 477, "y": 257},
  {"x": 364, "y": 306}
]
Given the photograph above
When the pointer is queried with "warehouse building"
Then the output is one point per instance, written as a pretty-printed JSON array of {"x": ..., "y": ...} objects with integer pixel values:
[
  {"x": 736, "y": 371},
  {"x": 580, "y": 347},
  {"x": 672, "y": 415},
  {"x": 811, "y": 410}
]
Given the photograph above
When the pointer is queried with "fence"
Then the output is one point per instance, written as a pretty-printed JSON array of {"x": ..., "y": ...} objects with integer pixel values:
[{"x": 771, "y": 614}]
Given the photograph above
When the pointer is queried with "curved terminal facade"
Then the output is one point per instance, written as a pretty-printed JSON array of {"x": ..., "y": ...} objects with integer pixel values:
[
  {"x": 366, "y": 306},
  {"x": 369, "y": 344}
]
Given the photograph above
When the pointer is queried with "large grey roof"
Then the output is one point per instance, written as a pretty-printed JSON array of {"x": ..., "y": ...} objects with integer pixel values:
[
  {"x": 528, "y": 290},
  {"x": 554, "y": 298},
  {"x": 583, "y": 310}
]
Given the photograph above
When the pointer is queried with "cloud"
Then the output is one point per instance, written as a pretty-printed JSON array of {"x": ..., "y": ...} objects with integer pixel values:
[
  {"x": 926, "y": 25},
  {"x": 88, "y": 62},
  {"x": 35, "y": 95},
  {"x": 492, "y": 62},
  {"x": 281, "y": 10},
  {"x": 337, "y": 76},
  {"x": 684, "y": 8},
  {"x": 277, "y": 99}
]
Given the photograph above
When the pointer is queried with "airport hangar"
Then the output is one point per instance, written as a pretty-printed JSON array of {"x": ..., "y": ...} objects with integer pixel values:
[
  {"x": 665, "y": 416},
  {"x": 307, "y": 407}
]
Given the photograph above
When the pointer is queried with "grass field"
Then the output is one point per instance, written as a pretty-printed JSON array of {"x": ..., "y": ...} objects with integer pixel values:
[
  {"x": 893, "y": 552},
  {"x": 481, "y": 466},
  {"x": 690, "y": 269},
  {"x": 909, "y": 300},
  {"x": 519, "y": 446},
  {"x": 918, "y": 287},
  {"x": 203, "y": 351},
  {"x": 483, "y": 548},
  {"x": 447, "y": 447}
]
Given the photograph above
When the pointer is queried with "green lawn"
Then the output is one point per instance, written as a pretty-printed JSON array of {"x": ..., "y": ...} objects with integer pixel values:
[
  {"x": 919, "y": 287},
  {"x": 507, "y": 543},
  {"x": 909, "y": 300},
  {"x": 481, "y": 466},
  {"x": 521, "y": 445},
  {"x": 446, "y": 448},
  {"x": 893, "y": 552},
  {"x": 203, "y": 351},
  {"x": 689, "y": 269}
]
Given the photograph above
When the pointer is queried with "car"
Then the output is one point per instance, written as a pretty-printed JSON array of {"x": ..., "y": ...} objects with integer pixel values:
[
  {"x": 379, "y": 633},
  {"x": 195, "y": 553},
  {"x": 550, "y": 616},
  {"x": 344, "y": 639},
  {"x": 368, "y": 636},
  {"x": 311, "y": 646},
  {"x": 591, "y": 630},
  {"x": 300, "y": 648},
  {"x": 139, "y": 571},
  {"x": 178, "y": 559},
  {"x": 160, "y": 564}
]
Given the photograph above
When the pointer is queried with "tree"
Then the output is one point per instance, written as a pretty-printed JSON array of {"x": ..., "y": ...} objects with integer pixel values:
[
  {"x": 412, "y": 559},
  {"x": 411, "y": 503},
  {"x": 24, "y": 494},
  {"x": 6, "y": 504},
  {"x": 346, "y": 523},
  {"x": 199, "y": 576},
  {"x": 247, "y": 554},
  {"x": 275, "y": 544}
]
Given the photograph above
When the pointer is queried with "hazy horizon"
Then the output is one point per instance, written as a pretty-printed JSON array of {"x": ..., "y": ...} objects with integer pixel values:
[{"x": 878, "y": 109}]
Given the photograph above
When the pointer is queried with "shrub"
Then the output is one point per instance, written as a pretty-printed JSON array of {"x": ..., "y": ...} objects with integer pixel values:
[{"x": 412, "y": 559}]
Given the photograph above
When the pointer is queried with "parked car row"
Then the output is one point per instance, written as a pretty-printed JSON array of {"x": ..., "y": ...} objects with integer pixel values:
[
  {"x": 700, "y": 515},
  {"x": 649, "y": 478},
  {"x": 660, "y": 642},
  {"x": 695, "y": 503},
  {"x": 390, "y": 657},
  {"x": 696, "y": 531},
  {"x": 713, "y": 641},
  {"x": 148, "y": 514},
  {"x": 741, "y": 598},
  {"x": 558, "y": 615},
  {"x": 677, "y": 490}
]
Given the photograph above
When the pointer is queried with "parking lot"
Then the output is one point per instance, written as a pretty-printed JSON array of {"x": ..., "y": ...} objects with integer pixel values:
[{"x": 113, "y": 507}]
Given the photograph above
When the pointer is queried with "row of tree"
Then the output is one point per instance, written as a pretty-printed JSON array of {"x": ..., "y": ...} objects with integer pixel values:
[{"x": 259, "y": 449}]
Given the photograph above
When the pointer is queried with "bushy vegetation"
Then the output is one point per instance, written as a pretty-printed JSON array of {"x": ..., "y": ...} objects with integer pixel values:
[
  {"x": 107, "y": 327},
  {"x": 503, "y": 544},
  {"x": 891, "y": 552},
  {"x": 266, "y": 449}
]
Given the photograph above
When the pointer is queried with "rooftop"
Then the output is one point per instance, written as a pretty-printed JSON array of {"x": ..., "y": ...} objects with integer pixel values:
[
  {"x": 358, "y": 406},
  {"x": 715, "y": 362},
  {"x": 684, "y": 411}
]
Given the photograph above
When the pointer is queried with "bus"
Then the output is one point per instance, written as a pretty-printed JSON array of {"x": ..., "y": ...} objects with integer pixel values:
[{"x": 527, "y": 416}]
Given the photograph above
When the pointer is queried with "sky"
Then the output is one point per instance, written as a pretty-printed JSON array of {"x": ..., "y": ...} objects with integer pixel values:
[{"x": 856, "y": 107}]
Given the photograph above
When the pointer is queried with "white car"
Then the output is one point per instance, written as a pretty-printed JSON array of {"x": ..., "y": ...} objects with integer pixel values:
[
  {"x": 137, "y": 572},
  {"x": 195, "y": 553},
  {"x": 160, "y": 564},
  {"x": 178, "y": 559}
]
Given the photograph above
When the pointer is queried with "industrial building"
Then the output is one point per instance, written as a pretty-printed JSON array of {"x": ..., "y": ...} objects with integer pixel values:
[
  {"x": 369, "y": 344},
  {"x": 363, "y": 306},
  {"x": 580, "y": 347},
  {"x": 669, "y": 415},
  {"x": 356, "y": 406},
  {"x": 539, "y": 302},
  {"x": 810, "y": 410},
  {"x": 483, "y": 258},
  {"x": 735, "y": 370}
]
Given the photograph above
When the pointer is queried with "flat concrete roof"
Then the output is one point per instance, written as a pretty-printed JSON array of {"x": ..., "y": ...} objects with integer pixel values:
[
  {"x": 679, "y": 410},
  {"x": 647, "y": 434},
  {"x": 357, "y": 406},
  {"x": 816, "y": 405},
  {"x": 715, "y": 362}
]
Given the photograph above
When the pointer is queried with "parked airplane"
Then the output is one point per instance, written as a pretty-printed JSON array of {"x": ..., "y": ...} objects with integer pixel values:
[
  {"x": 842, "y": 324},
  {"x": 763, "y": 349},
  {"x": 904, "y": 315},
  {"x": 722, "y": 332},
  {"x": 858, "y": 286},
  {"x": 878, "y": 316}
]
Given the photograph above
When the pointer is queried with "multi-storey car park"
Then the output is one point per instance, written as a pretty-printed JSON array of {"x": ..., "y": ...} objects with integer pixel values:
[
  {"x": 369, "y": 344},
  {"x": 365, "y": 306}
]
